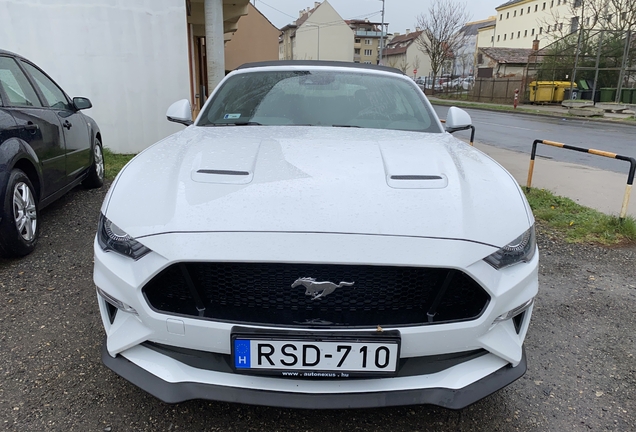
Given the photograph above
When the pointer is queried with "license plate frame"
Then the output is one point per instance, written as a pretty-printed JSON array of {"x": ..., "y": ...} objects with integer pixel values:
[{"x": 390, "y": 339}]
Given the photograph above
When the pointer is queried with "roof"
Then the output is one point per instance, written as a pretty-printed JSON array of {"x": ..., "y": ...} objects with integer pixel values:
[
  {"x": 394, "y": 48},
  {"x": 508, "y": 55},
  {"x": 471, "y": 28},
  {"x": 319, "y": 63},
  {"x": 509, "y": 3}
]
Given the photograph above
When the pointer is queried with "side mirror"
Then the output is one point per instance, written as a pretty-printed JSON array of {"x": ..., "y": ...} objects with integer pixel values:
[
  {"x": 180, "y": 112},
  {"x": 82, "y": 103},
  {"x": 457, "y": 119}
]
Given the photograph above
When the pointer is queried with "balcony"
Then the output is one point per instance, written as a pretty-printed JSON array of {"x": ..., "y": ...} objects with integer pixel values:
[{"x": 364, "y": 33}]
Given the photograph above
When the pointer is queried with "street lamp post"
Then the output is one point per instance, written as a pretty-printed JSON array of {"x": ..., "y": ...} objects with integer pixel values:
[{"x": 382, "y": 34}]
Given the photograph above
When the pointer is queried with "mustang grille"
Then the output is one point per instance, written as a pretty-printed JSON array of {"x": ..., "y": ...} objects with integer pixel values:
[{"x": 260, "y": 293}]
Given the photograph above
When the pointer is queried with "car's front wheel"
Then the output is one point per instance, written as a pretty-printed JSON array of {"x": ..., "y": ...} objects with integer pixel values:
[
  {"x": 95, "y": 177},
  {"x": 19, "y": 228}
]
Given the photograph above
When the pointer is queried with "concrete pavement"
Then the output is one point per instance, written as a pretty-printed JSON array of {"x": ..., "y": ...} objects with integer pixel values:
[{"x": 591, "y": 187}]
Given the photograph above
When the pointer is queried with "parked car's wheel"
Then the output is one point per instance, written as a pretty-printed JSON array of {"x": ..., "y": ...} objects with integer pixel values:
[
  {"x": 19, "y": 229},
  {"x": 95, "y": 177}
]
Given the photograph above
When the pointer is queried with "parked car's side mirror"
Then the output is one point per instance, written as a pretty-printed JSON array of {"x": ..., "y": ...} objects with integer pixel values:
[
  {"x": 457, "y": 119},
  {"x": 82, "y": 103},
  {"x": 180, "y": 112}
]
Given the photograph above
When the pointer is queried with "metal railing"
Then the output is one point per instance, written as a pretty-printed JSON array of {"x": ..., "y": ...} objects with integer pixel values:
[{"x": 630, "y": 176}]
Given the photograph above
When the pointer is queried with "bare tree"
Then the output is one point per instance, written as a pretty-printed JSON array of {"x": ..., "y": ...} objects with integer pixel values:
[
  {"x": 403, "y": 65},
  {"x": 391, "y": 61},
  {"x": 416, "y": 63},
  {"x": 441, "y": 37}
]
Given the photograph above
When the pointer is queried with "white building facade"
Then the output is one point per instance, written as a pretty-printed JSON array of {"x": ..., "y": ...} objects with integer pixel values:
[{"x": 131, "y": 58}]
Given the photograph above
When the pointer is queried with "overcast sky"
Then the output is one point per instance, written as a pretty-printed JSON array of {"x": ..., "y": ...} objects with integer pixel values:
[{"x": 400, "y": 14}]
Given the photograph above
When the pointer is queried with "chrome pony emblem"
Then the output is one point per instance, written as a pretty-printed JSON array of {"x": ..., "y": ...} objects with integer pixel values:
[{"x": 318, "y": 290}]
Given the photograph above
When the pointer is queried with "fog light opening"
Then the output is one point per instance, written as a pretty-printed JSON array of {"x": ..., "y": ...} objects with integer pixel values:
[
  {"x": 116, "y": 303},
  {"x": 518, "y": 321}
]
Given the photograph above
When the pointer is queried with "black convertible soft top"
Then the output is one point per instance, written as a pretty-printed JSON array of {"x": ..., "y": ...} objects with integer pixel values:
[{"x": 320, "y": 63}]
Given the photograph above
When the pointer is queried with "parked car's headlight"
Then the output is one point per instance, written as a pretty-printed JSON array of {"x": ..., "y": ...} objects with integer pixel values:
[
  {"x": 519, "y": 250},
  {"x": 112, "y": 238}
]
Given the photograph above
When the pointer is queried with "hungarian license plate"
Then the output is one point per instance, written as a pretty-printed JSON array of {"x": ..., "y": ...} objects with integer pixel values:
[{"x": 316, "y": 356}]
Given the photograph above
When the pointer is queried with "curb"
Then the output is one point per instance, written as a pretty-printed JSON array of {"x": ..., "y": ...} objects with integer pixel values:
[{"x": 441, "y": 102}]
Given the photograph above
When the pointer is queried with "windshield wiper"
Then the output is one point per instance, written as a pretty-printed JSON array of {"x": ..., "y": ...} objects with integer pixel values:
[
  {"x": 250, "y": 123},
  {"x": 345, "y": 126}
]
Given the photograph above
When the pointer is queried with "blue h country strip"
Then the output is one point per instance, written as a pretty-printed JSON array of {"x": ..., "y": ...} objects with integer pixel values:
[{"x": 241, "y": 353}]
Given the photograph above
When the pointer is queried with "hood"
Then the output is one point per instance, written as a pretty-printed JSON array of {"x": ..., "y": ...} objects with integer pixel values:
[{"x": 319, "y": 180}]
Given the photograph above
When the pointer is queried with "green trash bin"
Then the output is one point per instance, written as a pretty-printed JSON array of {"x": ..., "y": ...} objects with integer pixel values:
[
  {"x": 608, "y": 94},
  {"x": 626, "y": 95}
]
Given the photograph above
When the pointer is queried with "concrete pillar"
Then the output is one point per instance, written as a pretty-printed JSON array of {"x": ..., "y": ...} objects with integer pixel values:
[{"x": 214, "y": 44}]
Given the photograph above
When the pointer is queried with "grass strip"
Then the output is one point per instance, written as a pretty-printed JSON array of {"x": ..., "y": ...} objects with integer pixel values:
[
  {"x": 114, "y": 162},
  {"x": 579, "y": 224}
]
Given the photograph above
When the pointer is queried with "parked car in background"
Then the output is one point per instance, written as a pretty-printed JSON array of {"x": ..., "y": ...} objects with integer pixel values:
[
  {"x": 316, "y": 239},
  {"x": 47, "y": 147}
]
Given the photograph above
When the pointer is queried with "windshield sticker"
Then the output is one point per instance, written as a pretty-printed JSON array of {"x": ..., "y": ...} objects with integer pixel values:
[{"x": 231, "y": 116}]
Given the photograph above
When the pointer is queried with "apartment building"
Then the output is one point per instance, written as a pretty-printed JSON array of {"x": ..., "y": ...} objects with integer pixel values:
[
  {"x": 319, "y": 33},
  {"x": 519, "y": 22},
  {"x": 402, "y": 52},
  {"x": 366, "y": 45}
]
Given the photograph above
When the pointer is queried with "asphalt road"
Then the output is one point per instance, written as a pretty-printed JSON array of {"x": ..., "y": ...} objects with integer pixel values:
[
  {"x": 518, "y": 131},
  {"x": 580, "y": 347}
]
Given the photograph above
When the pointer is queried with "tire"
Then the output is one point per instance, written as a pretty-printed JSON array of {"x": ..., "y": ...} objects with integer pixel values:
[
  {"x": 19, "y": 228},
  {"x": 95, "y": 177}
]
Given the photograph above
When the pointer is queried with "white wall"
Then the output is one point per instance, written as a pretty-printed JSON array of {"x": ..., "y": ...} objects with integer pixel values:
[
  {"x": 129, "y": 57},
  {"x": 336, "y": 37}
]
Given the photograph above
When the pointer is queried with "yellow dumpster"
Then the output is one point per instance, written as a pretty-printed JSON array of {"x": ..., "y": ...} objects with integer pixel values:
[
  {"x": 559, "y": 90},
  {"x": 542, "y": 91}
]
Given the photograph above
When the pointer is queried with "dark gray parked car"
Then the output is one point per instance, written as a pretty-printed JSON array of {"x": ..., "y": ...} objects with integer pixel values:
[{"x": 47, "y": 147}]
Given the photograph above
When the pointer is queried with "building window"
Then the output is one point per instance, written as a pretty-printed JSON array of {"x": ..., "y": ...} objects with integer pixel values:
[
  {"x": 512, "y": 35},
  {"x": 587, "y": 21},
  {"x": 528, "y": 9},
  {"x": 356, "y": 51},
  {"x": 492, "y": 39},
  {"x": 368, "y": 52},
  {"x": 367, "y": 41},
  {"x": 480, "y": 58},
  {"x": 560, "y": 26},
  {"x": 521, "y": 13},
  {"x": 574, "y": 24},
  {"x": 518, "y": 34},
  {"x": 548, "y": 29},
  {"x": 536, "y": 8},
  {"x": 507, "y": 15},
  {"x": 505, "y": 36},
  {"x": 540, "y": 30},
  {"x": 499, "y": 36},
  {"x": 500, "y": 17},
  {"x": 525, "y": 34},
  {"x": 532, "y": 33},
  {"x": 577, "y": 3},
  {"x": 552, "y": 3},
  {"x": 514, "y": 14},
  {"x": 357, "y": 40},
  {"x": 367, "y": 62}
]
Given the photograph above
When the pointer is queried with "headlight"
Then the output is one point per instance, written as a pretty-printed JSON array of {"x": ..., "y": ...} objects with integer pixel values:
[
  {"x": 519, "y": 250},
  {"x": 112, "y": 238}
]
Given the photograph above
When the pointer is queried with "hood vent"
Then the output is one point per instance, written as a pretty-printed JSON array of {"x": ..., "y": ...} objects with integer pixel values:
[
  {"x": 417, "y": 181},
  {"x": 223, "y": 172},
  {"x": 416, "y": 177}
]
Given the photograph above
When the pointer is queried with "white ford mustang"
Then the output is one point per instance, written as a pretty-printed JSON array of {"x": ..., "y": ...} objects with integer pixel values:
[{"x": 316, "y": 239}]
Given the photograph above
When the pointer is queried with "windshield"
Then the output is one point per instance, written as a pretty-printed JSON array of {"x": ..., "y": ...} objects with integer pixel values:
[{"x": 319, "y": 98}]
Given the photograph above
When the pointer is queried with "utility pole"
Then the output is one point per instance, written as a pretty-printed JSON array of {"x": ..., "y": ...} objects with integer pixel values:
[{"x": 382, "y": 33}]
